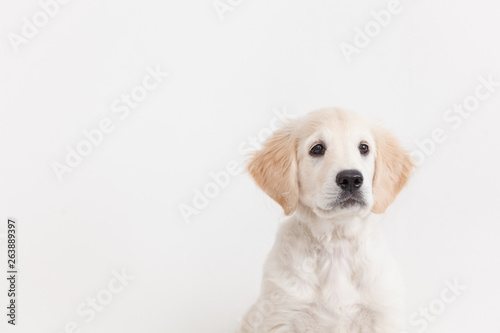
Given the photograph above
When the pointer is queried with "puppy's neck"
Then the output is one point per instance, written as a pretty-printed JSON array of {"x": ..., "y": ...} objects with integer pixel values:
[{"x": 337, "y": 228}]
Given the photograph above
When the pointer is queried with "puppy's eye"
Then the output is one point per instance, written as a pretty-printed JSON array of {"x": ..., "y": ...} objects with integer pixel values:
[
  {"x": 317, "y": 150},
  {"x": 363, "y": 148}
]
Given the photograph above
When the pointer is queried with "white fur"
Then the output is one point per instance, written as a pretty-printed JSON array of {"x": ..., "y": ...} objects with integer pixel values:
[{"x": 329, "y": 270}]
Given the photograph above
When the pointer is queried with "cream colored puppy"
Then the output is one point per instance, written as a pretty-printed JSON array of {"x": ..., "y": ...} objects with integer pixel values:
[{"x": 328, "y": 270}]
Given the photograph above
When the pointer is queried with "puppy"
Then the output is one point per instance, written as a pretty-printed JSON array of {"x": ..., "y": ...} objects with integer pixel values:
[{"x": 328, "y": 270}]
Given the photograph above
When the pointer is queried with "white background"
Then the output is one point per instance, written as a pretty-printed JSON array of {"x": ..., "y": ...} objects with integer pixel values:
[{"x": 119, "y": 209}]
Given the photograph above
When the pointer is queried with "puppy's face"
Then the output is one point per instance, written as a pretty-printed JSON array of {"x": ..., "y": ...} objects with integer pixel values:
[{"x": 334, "y": 163}]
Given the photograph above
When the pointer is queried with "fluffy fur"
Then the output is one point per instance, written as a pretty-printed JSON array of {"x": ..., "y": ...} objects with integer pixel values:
[{"x": 329, "y": 270}]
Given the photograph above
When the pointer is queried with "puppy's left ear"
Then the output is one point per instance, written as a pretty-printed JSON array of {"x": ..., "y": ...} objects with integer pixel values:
[
  {"x": 274, "y": 168},
  {"x": 393, "y": 167}
]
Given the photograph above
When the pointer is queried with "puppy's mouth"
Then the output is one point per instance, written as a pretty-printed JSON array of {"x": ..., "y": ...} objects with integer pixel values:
[
  {"x": 345, "y": 202},
  {"x": 349, "y": 203},
  {"x": 349, "y": 199}
]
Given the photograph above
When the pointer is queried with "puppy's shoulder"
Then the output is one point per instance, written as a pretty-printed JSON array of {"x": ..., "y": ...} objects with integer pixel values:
[{"x": 292, "y": 232}]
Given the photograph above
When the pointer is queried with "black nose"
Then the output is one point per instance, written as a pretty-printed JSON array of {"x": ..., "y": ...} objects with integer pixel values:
[{"x": 350, "y": 180}]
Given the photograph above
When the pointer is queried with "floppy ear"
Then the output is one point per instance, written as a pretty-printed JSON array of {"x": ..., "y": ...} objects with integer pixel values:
[
  {"x": 393, "y": 167},
  {"x": 274, "y": 168}
]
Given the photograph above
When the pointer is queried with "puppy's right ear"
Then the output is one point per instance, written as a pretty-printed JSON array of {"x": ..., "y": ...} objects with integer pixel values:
[
  {"x": 393, "y": 167},
  {"x": 274, "y": 168}
]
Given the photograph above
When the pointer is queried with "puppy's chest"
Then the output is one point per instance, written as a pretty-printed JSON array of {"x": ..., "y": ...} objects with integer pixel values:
[{"x": 339, "y": 272}]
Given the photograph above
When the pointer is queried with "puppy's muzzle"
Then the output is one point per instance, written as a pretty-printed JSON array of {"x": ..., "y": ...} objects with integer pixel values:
[{"x": 349, "y": 180}]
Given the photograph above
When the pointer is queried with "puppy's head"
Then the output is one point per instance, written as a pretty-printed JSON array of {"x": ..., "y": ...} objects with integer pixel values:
[{"x": 334, "y": 163}]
